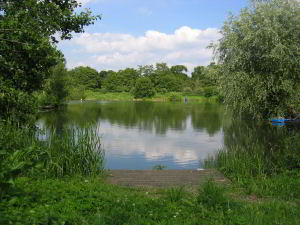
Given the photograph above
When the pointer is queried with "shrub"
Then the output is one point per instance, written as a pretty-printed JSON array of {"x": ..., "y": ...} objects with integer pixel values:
[
  {"x": 16, "y": 105},
  {"x": 143, "y": 88},
  {"x": 175, "y": 97}
]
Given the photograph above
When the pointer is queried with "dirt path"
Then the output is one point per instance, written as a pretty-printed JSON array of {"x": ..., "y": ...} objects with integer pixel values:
[{"x": 162, "y": 178}]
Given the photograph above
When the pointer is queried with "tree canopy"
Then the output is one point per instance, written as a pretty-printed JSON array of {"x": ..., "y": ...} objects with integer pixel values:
[
  {"x": 27, "y": 30},
  {"x": 260, "y": 58}
]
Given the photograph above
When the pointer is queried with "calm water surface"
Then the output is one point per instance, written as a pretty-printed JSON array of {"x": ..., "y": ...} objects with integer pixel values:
[{"x": 140, "y": 135}]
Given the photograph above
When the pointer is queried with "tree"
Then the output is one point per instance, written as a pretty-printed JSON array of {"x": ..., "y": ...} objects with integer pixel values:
[
  {"x": 113, "y": 82},
  {"x": 55, "y": 87},
  {"x": 169, "y": 83},
  {"x": 27, "y": 42},
  {"x": 146, "y": 70},
  {"x": 143, "y": 88},
  {"x": 86, "y": 77},
  {"x": 259, "y": 53},
  {"x": 162, "y": 68},
  {"x": 179, "y": 69},
  {"x": 128, "y": 78},
  {"x": 198, "y": 73},
  {"x": 27, "y": 27}
]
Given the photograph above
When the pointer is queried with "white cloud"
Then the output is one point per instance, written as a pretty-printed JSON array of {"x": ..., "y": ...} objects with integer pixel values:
[{"x": 117, "y": 51}]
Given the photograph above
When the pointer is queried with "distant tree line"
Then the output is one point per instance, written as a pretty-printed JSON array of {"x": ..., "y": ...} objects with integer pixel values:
[{"x": 142, "y": 82}]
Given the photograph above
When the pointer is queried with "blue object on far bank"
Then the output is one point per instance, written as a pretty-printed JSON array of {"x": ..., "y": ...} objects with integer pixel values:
[{"x": 279, "y": 120}]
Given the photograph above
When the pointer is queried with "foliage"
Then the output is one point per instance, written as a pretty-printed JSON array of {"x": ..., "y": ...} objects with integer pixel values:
[
  {"x": 143, "y": 88},
  {"x": 86, "y": 77},
  {"x": 89, "y": 200},
  {"x": 77, "y": 93},
  {"x": 263, "y": 160},
  {"x": 175, "y": 194},
  {"x": 260, "y": 59},
  {"x": 159, "y": 167},
  {"x": 27, "y": 53},
  {"x": 170, "y": 83},
  {"x": 212, "y": 195},
  {"x": 128, "y": 78},
  {"x": 163, "y": 78},
  {"x": 55, "y": 91},
  {"x": 16, "y": 105},
  {"x": 175, "y": 97},
  {"x": 73, "y": 152},
  {"x": 113, "y": 82}
]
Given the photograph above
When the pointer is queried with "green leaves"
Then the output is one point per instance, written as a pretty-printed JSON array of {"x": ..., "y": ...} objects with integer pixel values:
[
  {"x": 143, "y": 88},
  {"x": 260, "y": 59},
  {"x": 26, "y": 30}
]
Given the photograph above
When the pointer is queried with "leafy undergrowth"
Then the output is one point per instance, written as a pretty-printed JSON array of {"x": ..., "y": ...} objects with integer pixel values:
[{"x": 80, "y": 200}]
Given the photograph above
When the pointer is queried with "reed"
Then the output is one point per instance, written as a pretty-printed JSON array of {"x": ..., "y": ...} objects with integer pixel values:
[
  {"x": 71, "y": 152},
  {"x": 74, "y": 152}
]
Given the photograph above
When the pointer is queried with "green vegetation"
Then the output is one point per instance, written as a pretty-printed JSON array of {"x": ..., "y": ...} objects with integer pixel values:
[
  {"x": 145, "y": 82},
  {"x": 171, "y": 96},
  {"x": 263, "y": 165},
  {"x": 159, "y": 167},
  {"x": 28, "y": 33},
  {"x": 63, "y": 153},
  {"x": 143, "y": 88},
  {"x": 260, "y": 48},
  {"x": 54, "y": 91},
  {"x": 89, "y": 200},
  {"x": 52, "y": 178}
]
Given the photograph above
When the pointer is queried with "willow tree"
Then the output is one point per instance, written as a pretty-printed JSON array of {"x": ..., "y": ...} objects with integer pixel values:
[{"x": 260, "y": 57}]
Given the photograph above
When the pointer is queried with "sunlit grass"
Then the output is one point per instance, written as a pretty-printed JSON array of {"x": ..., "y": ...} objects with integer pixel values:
[
  {"x": 126, "y": 96},
  {"x": 89, "y": 200}
]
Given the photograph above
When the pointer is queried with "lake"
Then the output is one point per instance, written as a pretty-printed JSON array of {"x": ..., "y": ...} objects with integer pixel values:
[{"x": 141, "y": 135}]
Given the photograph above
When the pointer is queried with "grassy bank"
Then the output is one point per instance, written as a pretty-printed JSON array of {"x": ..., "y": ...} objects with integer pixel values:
[
  {"x": 126, "y": 96},
  {"x": 89, "y": 200}
]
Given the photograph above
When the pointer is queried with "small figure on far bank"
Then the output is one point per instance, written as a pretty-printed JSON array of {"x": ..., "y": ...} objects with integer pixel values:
[{"x": 185, "y": 99}]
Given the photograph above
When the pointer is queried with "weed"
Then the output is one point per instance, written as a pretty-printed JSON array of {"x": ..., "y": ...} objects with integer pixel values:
[
  {"x": 159, "y": 167},
  {"x": 212, "y": 195},
  {"x": 175, "y": 194}
]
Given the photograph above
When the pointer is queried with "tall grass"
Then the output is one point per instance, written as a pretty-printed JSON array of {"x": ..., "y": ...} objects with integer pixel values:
[
  {"x": 72, "y": 152},
  {"x": 270, "y": 168}
]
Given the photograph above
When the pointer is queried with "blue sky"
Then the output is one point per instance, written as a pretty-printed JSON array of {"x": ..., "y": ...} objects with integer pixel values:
[{"x": 133, "y": 33}]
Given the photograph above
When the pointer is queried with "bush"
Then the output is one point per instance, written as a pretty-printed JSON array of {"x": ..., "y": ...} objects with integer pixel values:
[
  {"x": 175, "y": 97},
  {"x": 209, "y": 91},
  {"x": 77, "y": 93},
  {"x": 16, "y": 105},
  {"x": 143, "y": 88}
]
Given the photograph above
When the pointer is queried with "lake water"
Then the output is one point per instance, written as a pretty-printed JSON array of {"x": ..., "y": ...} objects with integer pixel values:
[{"x": 140, "y": 135}]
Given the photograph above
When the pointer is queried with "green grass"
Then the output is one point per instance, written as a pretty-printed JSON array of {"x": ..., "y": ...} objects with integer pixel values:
[
  {"x": 261, "y": 172},
  {"x": 66, "y": 153},
  {"x": 112, "y": 96},
  {"x": 89, "y": 200},
  {"x": 125, "y": 96}
]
